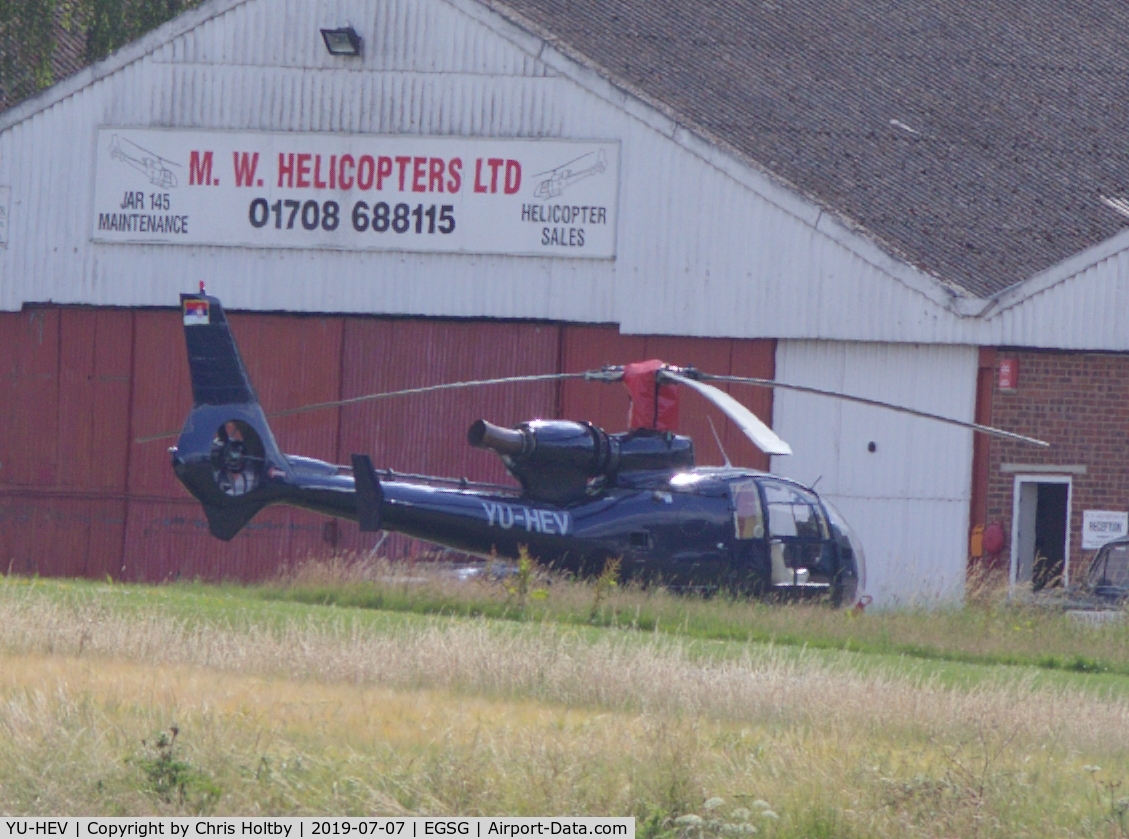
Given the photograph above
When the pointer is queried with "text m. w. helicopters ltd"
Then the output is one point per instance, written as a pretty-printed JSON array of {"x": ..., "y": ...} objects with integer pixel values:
[{"x": 585, "y": 495}]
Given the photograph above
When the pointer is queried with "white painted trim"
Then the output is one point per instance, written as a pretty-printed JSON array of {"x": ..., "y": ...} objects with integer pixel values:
[
  {"x": 1042, "y": 469},
  {"x": 1039, "y": 478}
]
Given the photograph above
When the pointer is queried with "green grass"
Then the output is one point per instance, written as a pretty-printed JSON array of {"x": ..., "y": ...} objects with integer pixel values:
[
  {"x": 714, "y": 629},
  {"x": 287, "y": 707},
  {"x": 989, "y": 630}
]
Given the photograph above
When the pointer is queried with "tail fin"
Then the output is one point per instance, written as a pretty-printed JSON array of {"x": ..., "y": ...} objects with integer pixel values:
[
  {"x": 370, "y": 496},
  {"x": 218, "y": 374},
  {"x": 227, "y": 456},
  {"x": 226, "y": 449}
]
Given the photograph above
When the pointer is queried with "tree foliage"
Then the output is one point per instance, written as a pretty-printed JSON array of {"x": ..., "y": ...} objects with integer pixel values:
[
  {"x": 114, "y": 23},
  {"x": 27, "y": 46},
  {"x": 41, "y": 41}
]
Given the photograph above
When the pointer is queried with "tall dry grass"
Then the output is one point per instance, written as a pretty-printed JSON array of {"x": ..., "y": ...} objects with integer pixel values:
[
  {"x": 991, "y": 627},
  {"x": 323, "y": 715}
]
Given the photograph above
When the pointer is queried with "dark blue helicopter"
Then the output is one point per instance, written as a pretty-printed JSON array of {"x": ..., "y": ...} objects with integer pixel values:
[{"x": 585, "y": 496}]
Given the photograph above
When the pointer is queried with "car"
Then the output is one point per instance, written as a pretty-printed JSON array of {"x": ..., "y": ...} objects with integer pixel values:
[{"x": 1106, "y": 584}]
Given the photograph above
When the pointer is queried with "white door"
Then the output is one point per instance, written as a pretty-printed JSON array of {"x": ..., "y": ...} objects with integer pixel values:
[
  {"x": 1024, "y": 560},
  {"x": 903, "y": 483}
]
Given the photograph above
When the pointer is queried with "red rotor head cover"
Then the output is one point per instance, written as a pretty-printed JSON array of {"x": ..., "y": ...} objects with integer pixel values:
[{"x": 652, "y": 405}]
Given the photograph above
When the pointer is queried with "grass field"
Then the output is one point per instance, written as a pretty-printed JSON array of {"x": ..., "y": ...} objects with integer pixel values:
[{"x": 579, "y": 701}]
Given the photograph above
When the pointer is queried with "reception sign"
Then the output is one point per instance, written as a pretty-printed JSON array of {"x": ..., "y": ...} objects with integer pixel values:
[
  {"x": 1101, "y": 526},
  {"x": 357, "y": 192}
]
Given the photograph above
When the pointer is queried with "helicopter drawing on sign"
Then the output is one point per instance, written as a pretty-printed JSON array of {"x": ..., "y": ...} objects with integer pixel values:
[
  {"x": 553, "y": 182},
  {"x": 584, "y": 495},
  {"x": 150, "y": 164}
]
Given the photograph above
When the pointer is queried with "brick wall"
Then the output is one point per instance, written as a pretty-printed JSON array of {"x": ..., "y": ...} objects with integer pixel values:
[{"x": 1079, "y": 403}]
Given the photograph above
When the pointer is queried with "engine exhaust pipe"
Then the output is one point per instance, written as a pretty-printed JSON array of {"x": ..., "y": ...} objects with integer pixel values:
[{"x": 486, "y": 435}]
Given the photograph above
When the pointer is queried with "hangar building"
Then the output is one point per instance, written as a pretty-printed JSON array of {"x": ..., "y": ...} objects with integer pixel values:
[{"x": 867, "y": 197}]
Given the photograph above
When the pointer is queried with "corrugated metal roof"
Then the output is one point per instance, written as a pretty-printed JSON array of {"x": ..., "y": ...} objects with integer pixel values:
[
  {"x": 973, "y": 139},
  {"x": 909, "y": 143}
]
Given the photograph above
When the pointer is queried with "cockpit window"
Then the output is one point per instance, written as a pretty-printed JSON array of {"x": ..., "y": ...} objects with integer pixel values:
[
  {"x": 748, "y": 518},
  {"x": 793, "y": 512}
]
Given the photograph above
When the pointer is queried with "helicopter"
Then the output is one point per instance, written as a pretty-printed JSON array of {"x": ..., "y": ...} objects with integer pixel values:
[
  {"x": 585, "y": 495},
  {"x": 554, "y": 182},
  {"x": 150, "y": 164}
]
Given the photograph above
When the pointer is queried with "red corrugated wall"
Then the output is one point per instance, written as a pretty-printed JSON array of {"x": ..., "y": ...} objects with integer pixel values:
[
  {"x": 64, "y": 402},
  {"x": 78, "y": 386},
  {"x": 427, "y": 434}
]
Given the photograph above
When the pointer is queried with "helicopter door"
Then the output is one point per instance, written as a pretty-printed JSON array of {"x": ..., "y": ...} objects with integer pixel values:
[
  {"x": 797, "y": 532},
  {"x": 749, "y": 566},
  {"x": 691, "y": 538}
]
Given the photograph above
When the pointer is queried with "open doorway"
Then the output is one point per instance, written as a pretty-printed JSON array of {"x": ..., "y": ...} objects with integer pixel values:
[{"x": 1040, "y": 547}]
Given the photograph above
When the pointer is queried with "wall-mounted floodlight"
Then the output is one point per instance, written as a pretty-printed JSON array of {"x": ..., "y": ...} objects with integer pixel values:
[{"x": 342, "y": 41}]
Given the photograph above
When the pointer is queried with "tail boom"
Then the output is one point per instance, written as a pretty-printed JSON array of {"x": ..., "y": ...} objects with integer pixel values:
[{"x": 228, "y": 460}]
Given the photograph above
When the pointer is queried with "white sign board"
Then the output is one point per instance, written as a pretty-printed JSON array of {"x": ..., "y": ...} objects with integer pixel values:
[
  {"x": 1101, "y": 526},
  {"x": 552, "y": 198}
]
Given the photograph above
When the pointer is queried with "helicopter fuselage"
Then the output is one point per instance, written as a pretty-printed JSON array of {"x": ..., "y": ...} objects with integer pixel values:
[
  {"x": 586, "y": 496},
  {"x": 703, "y": 529}
]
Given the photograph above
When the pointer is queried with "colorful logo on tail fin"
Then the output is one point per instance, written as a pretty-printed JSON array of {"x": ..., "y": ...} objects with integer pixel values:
[{"x": 196, "y": 313}]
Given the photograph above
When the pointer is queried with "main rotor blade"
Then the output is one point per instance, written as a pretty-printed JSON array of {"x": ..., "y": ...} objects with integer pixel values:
[
  {"x": 975, "y": 426},
  {"x": 369, "y": 397},
  {"x": 414, "y": 391},
  {"x": 763, "y": 437}
]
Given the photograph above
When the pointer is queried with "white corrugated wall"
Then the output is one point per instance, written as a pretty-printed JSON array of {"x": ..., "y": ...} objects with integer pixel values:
[
  {"x": 909, "y": 499},
  {"x": 1085, "y": 309},
  {"x": 703, "y": 249},
  {"x": 707, "y": 245}
]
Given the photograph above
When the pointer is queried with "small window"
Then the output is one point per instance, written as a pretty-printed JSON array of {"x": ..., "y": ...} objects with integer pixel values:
[{"x": 748, "y": 518}]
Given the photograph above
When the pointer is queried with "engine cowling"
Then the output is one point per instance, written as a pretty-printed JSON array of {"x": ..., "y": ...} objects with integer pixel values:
[{"x": 557, "y": 460}]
